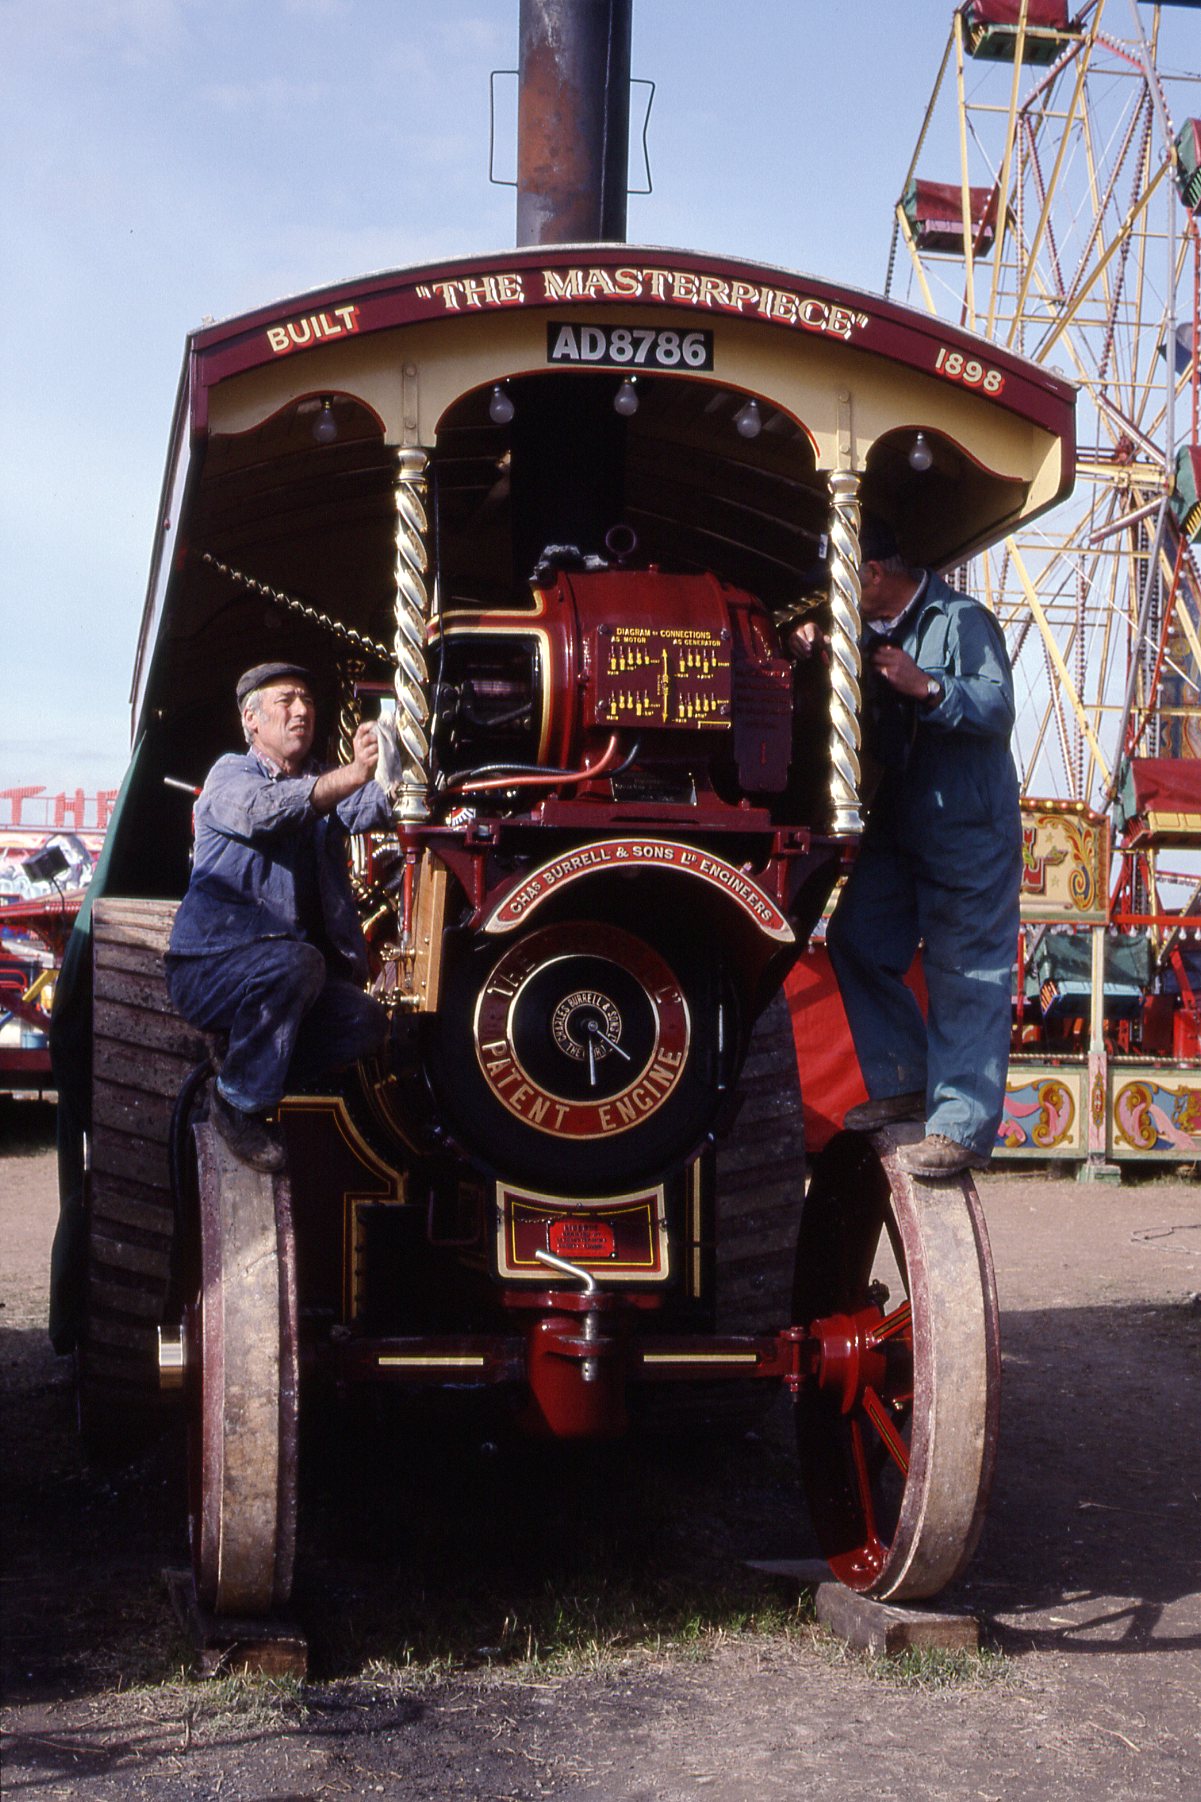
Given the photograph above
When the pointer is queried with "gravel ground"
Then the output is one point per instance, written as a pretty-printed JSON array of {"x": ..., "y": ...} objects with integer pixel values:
[{"x": 429, "y": 1565}]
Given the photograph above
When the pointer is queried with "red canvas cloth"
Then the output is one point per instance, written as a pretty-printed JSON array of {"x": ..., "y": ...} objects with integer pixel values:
[
  {"x": 1166, "y": 784},
  {"x": 1045, "y": 13},
  {"x": 831, "y": 1080},
  {"x": 942, "y": 202}
]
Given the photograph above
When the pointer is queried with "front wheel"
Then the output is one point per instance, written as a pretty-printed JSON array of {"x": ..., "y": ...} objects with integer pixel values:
[
  {"x": 897, "y": 1427},
  {"x": 243, "y": 1379}
]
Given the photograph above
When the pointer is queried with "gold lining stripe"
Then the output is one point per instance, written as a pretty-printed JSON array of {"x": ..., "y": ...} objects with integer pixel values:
[
  {"x": 474, "y": 1361},
  {"x": 700, "y": 1357}
]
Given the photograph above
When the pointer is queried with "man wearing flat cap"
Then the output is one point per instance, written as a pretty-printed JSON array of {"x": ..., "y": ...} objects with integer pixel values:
[
  {"x": 267, "y": 945},
  {"x": 939, "y": 864}
]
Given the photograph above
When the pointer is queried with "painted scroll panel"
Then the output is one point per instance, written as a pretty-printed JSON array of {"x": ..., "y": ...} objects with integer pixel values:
[
  {"x": 1155, "y": 1112},
  {"x": 1065, "y": 863},
  {"x": 1044, "y": 1115}
]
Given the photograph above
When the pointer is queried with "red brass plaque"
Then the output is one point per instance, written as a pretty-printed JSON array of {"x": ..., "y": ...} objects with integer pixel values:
[
  {"x": 578, "y": 1239},
  {"x": 623, "y": 1236}
]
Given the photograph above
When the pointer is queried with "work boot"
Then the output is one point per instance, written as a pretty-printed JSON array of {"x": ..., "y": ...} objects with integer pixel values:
[
  {"x": 868, "y": 1115},
  {"x": 938, "y": 1158},
  {"x": 248, "y": 1136}
]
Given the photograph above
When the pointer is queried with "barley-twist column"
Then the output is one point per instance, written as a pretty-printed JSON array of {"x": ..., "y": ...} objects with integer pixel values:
[
  {"x": 350, "y": 716},
  {"x": 411, "y": 805},
  {"x": 844, "y": 651}
]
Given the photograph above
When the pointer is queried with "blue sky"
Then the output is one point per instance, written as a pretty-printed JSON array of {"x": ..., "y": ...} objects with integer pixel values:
[{"x": 168, "y": 160}]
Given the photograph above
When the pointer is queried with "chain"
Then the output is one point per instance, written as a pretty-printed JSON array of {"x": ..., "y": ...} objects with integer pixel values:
[{"x": 290, "y": 602}]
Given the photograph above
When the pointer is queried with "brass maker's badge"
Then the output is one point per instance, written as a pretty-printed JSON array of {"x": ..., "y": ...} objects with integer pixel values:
[{"x": 582, "y": 1030}]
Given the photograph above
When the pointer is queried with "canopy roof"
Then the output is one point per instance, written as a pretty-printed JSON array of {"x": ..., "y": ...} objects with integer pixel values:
[{"x": 841, "y": 379}]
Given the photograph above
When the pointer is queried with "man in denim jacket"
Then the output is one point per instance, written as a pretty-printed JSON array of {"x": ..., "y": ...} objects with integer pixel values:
[
  {"x": 939, "y": 864},
  {"x": 267, "y": 945}
]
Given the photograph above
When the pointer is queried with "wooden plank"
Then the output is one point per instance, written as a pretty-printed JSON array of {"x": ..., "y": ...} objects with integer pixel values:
[
  {"x": 777, "y": 1058},
  {"x": 117, "y": 1307},
  {"x": 756, "y": 1161},
  {"x": 137, "y": 959},
  {"x": 143, "y": 1067},
  {"x": 144, "y": 1161},
  {"x": 224, "y": 1643},
  {"x": 871, "y": 1626},
  {"x": 114, "y": 1204},
  {"x": 118, "y": 1251},
  {"x": 135, "y": 1025},
  {"x": 129, "y": 1111},
  {"x": 770, "y": 1242},
  {"x": 119, "y": 1181},
  {"x": 122, "y": 905},
  {"x": 136, "y": 989},
  {"x": 132, "y": 1341},
  {"x": 882, "y": 1628},
  {"x": 115, "y": 914}
]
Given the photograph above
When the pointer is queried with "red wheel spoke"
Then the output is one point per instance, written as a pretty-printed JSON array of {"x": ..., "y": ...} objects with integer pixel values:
[
  {"x": 897, "y": 1423},
  {"x": 894, "y": 1445},
  {"x": 871, "y": 1552},
  {"x": 900, "y": 1321}
]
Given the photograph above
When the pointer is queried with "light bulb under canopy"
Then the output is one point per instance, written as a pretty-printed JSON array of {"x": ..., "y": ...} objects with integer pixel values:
[
  {"x": 325, "y": 426},
  {"x": 625, "y": 401},
  {"x": 748, "y": 421},
  {"x": 920, "y": 454},
  {"x": 500, "y": 407}
]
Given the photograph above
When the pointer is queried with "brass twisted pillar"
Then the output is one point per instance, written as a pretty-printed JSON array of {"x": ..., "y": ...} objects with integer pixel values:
[
  {"x": 844, "y": 651},
  {"x": 350, "y": 716},
  {"x": 411, "y": 804}
]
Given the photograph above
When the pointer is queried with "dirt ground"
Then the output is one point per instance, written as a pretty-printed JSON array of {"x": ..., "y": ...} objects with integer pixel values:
[{"x": 432, "y": 1561}]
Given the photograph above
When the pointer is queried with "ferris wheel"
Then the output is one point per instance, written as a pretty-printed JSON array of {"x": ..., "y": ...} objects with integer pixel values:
[{"x": 1051, "y": 204}]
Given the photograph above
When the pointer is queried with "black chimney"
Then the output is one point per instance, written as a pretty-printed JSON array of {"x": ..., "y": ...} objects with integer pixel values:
[{"x": 573, "y": 121}]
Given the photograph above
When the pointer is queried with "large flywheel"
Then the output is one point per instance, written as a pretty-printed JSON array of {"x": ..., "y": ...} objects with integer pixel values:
[
  {"x": 897, "y": 1432},
  {"x": 584, "y": 1054}
]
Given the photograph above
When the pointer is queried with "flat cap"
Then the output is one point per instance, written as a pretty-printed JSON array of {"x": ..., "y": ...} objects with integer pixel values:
[{"x": 262, "y": 673}]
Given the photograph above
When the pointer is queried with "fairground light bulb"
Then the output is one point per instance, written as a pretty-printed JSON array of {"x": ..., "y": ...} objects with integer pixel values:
[
  {"x": 325, "y": 426},
  {"x": 625, "y": 401},
  {"x": 920, "y": 454},
  {"x": 748, "y": 421},
  {"x": 500, "y": 407}
]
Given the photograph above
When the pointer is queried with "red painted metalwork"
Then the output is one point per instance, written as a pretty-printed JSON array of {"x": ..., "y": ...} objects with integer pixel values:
[{"x": 607, "y": 275}]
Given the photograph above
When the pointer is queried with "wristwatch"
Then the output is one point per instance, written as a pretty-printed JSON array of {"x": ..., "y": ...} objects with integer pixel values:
[{"x": 933, "y": 691}]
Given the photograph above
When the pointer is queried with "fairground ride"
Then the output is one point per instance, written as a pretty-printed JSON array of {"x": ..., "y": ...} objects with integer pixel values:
[{"x": 1051, "y": 204}]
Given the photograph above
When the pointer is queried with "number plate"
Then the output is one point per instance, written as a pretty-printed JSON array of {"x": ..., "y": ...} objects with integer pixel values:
[{"x": 628, "y": 346}]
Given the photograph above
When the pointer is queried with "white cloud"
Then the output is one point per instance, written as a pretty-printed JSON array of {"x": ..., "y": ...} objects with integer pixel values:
[
  {"x": 136, "y": 31},
  {"x": 475, "y": 37},
  {"x": 275, "y": 95}
]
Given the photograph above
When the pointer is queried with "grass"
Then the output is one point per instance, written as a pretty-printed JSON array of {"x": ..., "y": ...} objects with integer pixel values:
[
  {"x": 589, "y": 1625},
  {"x": 924, "y": 1669}
]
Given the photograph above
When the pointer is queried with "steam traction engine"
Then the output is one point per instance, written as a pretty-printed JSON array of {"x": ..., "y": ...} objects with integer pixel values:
[{"x": 550, "y": 513}]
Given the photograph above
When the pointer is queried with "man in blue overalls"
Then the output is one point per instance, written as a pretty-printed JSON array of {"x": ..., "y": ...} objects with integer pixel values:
[
  {"x": 267, "y": 945},
  {"x": 939, "y": 865}
]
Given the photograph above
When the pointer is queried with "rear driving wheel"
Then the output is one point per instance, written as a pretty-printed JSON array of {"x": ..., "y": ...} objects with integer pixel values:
[
  {"x": 242, "y": 1374},
  {"x": 897, "y": 1427}
]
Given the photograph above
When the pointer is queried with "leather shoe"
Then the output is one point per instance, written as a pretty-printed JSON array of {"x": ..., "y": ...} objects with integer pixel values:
[
  {"x": 248, "y": 1136},
  {"x": 937, "y": 1158},
  {"x": 868, "y": 1115}
]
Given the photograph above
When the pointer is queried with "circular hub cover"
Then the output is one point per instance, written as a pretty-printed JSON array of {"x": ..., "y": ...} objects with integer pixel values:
[{"x": 581, "y": 1032}]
